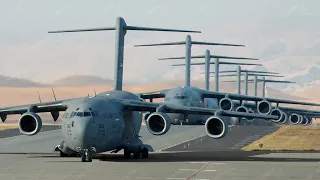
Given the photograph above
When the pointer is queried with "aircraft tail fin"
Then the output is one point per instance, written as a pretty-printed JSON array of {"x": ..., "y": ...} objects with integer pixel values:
[{"x": 95, "y": 93}]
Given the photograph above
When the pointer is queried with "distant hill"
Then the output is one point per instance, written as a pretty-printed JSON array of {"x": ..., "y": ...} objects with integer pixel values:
[
  {"x": 7, "y": 81},
  {"x": 82, "y": 80}
]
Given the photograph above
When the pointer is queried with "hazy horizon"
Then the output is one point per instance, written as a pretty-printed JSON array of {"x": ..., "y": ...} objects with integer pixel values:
[{"x": 275, "y": 32}]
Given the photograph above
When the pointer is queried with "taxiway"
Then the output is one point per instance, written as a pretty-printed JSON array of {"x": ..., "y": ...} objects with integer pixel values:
[{"x": 31, "y": 157}]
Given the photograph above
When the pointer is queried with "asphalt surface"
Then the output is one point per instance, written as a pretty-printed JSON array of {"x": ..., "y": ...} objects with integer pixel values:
[
  {"x": 15, "y": 132},
  {"x": 31, "y": 157},
  {"x": 237, "y": 137}
]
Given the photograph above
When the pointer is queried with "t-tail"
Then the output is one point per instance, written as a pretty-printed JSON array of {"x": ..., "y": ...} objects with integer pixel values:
[
  {"x": 121, "y": 28},
  {"x": 217, "y": 63},
  {"x": 188, "y": 43}
]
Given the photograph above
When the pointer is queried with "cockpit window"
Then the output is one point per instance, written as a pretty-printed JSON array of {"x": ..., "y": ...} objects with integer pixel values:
[
  {"x": 93, "y": 114},
  {"x": 85, "y": 114},
  {"x": 180, "y": 97},
  {"x": 80, "y": 114},
  {"x": 73, "y": 114}
]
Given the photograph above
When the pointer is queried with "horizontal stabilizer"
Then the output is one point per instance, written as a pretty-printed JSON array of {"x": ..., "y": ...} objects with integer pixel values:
[
  {"x": 265, "y": 72},
  {"x": 82, "y": 30},
  {"x": 162, "y": 44},
  {"x": 272, "y": 81},
  {"x": 231, "y": 75},
  {"x": 192, "y": 42},
  {"x": 135, "y": 28},
  {"x": 231, "y": 63},
  {"x": 212, "y": 56},
  {"x": 216, "y": 44}
]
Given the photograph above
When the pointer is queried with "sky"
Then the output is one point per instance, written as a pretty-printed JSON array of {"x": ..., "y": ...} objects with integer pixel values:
[{"x": 284, "y": 35}]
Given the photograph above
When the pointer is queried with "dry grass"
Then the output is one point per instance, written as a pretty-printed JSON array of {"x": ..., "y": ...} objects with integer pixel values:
[{"x": 289, "y": 138}]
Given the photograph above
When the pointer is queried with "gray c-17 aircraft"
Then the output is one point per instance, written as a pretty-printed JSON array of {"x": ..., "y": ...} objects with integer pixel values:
[
  {"x": 111, "y": 120},
  {"x": 228, "y": 101}
]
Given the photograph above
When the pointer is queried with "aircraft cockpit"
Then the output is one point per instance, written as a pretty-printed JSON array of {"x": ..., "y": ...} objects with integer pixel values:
[{"x": 82, "y": 114}]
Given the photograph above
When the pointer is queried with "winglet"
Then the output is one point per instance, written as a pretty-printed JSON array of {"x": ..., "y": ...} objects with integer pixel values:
[
  {"x": 54, "y": 95},
  {"x": 39, "y": 97}
]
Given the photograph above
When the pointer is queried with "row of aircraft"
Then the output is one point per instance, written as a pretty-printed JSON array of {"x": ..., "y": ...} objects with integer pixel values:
[{"x": 111, "y": 120}]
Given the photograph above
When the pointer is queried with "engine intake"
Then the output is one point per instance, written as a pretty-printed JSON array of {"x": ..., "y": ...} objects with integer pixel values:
[
  {"x": 30, "y": 123},
  {"x": 158, "y": 123},
  {"x": 245, "y": 110},
  {"x": 304, "y": 121},
  {"x": 264, "y": 107},
  {"x": 294, "y": 118},
  {"x": 226, "y": 104},
  {"x": 284, "y": 118},
  {"x": 216, "y": 127},
  {"x": 277, "y": 112}
]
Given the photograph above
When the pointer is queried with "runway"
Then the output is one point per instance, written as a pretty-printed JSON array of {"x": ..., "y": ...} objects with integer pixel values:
[{"x": 31, "y": 157}]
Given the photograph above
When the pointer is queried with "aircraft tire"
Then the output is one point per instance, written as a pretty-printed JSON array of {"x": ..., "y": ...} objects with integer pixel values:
[
  {"x": 144, "y": 153},
  {"x": 62, "y": 154},
  {"x": 126, "y": 153},
  {"x": 83, "y": 157}
]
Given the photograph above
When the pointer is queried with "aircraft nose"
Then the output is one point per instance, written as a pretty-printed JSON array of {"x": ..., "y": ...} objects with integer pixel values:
[{"x": 83, "y": 133}]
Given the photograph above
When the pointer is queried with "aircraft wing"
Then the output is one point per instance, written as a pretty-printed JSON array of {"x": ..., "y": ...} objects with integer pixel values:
[
  {"x": 52, "y": 106},
  {"x": 134, "y": 105},
  {"x": 219, "y": 95},
  {"x": 153, "y": 94}
]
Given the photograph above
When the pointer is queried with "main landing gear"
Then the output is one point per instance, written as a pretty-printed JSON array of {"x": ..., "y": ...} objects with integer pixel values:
[{"x": 143, "y": 153}]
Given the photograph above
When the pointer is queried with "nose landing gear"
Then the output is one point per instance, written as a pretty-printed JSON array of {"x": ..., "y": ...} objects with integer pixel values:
[{"x": 86, "y": 154}]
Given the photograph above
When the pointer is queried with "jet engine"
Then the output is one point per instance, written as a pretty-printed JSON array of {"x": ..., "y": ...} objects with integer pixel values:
[
  {"x": 294, "y": 118},
  {"x": 245, "y": 110},
  {"x": 145, "y": 117},
  {"x": 226, "y": 104},
  {"x": 158, "y": 123},
  {"x": 216, "y": 127},
  {"x": 304, "y": 121},
  {"x": 264, "y": 107},
  {"x": 277, "y": 112},
  {"x": 30, "y": 123},
  {"x": 284, "y": 118}
]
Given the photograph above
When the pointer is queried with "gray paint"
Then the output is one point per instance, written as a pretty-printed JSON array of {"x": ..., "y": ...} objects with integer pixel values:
[
  {"x": 188, "y": 60},
  {"x": 239, "y": 79},
  {"x": 216, "y": 67},
  {"x": 207, "y": 69},
  {"x": 255, "y": 85},
  {"x": 246, "y": 82},
  {"x": 263, "y": 86}
]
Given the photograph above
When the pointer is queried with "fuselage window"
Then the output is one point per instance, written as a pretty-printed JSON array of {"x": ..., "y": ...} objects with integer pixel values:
[{"x": 85, "y": 114}]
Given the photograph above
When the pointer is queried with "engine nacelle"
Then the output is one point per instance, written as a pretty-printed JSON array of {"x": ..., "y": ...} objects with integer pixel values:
[
  {"x": 284, "y": 118},
  {"x": 294, "y": 118},
  {"x": 216, "y": 127},
  {"x": 158, "y": 123},
  {"x": 30, "y": 123},
  {"x": 264, "y": 107},
  {"x": 304, "y": 121},
  {"x": 277, "y": 112},
  {"x": 145, "y": 117},
  {"x": 245, "y": 110},
  {"x": 250, "y": 119},
  {"x": 226, "y": 104}
]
